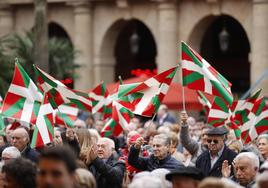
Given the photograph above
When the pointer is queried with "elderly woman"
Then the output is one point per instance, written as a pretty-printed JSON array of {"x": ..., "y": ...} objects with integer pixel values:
[{"x": 263, "y": 145}]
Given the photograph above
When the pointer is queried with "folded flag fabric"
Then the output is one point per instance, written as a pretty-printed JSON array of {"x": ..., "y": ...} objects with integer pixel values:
[
  {"x": 66, "y": 115},
  {"x": 199, "y": 75},
  {"x": 59, "y": 94},
  {"x": 120, "y": 119},
  {"x": 23, "y": 99},
  {"x": 145, "y": 98},
  {"x": 44, "y": 128},
  {"x": 101, "y": 101},
  {"x": 257, "y": 123},
  {"x": 204, "y": 101}
]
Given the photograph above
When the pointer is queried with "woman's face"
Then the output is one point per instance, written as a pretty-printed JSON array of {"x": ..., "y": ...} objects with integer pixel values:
[{"x": 263, "y": 146}]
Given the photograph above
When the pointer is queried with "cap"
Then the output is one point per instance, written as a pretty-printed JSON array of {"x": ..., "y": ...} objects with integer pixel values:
[
  {"x": 191, "y": 172},
  {"x": 217, "y": 131}
]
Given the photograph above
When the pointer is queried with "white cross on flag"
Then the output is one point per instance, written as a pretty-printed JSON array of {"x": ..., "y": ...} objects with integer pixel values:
[{"x": 23, "y": 98}]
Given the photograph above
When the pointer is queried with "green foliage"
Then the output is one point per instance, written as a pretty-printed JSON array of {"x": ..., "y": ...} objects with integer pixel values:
[{"x": 61, "y": 57}]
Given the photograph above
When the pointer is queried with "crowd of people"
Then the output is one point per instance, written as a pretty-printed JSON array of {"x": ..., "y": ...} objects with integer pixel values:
[{"x": 163, "y": 153}]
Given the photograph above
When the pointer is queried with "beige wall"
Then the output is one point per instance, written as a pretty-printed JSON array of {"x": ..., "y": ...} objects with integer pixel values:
[{"x": 191, "y": 20}]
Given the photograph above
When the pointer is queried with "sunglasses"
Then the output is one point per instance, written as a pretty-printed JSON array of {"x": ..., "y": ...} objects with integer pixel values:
[{"x": 214, "y": 141}]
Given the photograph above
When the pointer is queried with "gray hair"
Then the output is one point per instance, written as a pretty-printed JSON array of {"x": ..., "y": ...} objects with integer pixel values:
[
  {"x": 164, "y": 137},
  {"x": 251, "y": 156},
  {"x": 13, "y": 151},
  {"x": 146, "y": 182},
  {"x": 265, "y": 136},
  {"x": 109, "y": 141}
]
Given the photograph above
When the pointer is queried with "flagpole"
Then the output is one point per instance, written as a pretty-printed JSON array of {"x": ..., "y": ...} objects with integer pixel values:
[{"x": 183, "y": 96}]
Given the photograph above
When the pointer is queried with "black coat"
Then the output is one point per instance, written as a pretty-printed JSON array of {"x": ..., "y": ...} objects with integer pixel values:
[
  {"x": 108, "y": 174},
  {"x": 151, "y": 163},
  {"x": 30, "y": 154},
  {"x": 203, "y": 162}
]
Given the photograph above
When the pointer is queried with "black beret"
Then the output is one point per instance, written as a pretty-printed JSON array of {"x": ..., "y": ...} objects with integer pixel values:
[
  {"x": 217, "y": 131},
  {"x": 191, "y": 172}
]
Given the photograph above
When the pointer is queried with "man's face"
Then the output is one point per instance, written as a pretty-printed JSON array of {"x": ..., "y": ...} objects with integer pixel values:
[
  {"x": 160, "y": 149},
  {"x": 215, "y": 143},
  {"x": 263, "y": 146},
  {"x": 19, "y": 139},
  {"x": 57, "y": 138},
  {"x": 204, "y": 137},
  {"x": 6, "y": 156},
  {"x": 104, "y": 149},
  {"x": 245, "y": 172},
  {"x": 53, "y": 174},
  {"x": 184, "y": 182},
  {"x": 9, "y": 134}
]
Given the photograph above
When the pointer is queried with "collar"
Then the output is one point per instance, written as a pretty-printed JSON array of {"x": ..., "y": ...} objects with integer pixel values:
[
  {"x": 163, "y": 160},
  {"x": 219, "y": 153}
]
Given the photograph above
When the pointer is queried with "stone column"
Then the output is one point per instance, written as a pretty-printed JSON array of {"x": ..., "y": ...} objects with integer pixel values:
[
  {"x": 260, "y": 43},
  {"x": 6, "y": 20},
  {"x": 83, "y": 43},
  {"x": 168, "y": 43}
]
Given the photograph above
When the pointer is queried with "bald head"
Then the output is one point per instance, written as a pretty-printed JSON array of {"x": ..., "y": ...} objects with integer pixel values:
[{"x": 20, "y": 138}]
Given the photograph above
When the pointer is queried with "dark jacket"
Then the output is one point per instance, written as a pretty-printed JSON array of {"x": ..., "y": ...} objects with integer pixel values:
[
  {"x": 169, "y": 118},
  {"x": 30, "y": 154},
  {"x": 108, "y": 174},
  {"x": 203, "y": 162},
  {"x": 151, "y": 163}
]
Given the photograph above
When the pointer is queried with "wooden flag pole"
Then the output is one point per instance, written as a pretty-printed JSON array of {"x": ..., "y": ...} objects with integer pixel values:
[{"x": 183, "y": 95}]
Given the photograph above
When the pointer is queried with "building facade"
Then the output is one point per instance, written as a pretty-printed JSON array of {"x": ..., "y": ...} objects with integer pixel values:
[{"x": 115, "y": 37}]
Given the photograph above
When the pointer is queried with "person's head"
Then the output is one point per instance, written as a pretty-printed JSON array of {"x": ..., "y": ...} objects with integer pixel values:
[
  {"x": 57, "y": 140},
  {"x": 84, "y": 179},
  {"x": 20, "y": 138},
  {"x": 84, "y": 137},
  {"x": 246, "y": 167},
  {"x": 215, "y": 139},
  {"x": 56, "y": 168},
  {"x": 185, "y": 177},
  {"x": 146, "y": 181},
  {"x": 235, "y": 145},
  {"x": 3, "y": 139},
  {"x": 213, "y": 182},
  {"x": 262, "y": 180},
  {"x": 10, "y": 153},
  {"x": 161, "y": 146},
  {"x": 163, "y": 109},
  {"x": 160, "y": 173},
  {"x": 99, "y": 124},
  {"x": 80, "y": 124},
  {"x": 131, "y": 137},
  {"x": 263, "y": 145},
  {"x": 204, "y": 136},
  {"x": 9, "y": 132},
  {"x": 173, "y": 142},
  {"x": 94, "y": 135},
  {"x": 105, "y": 148},
  {"x": 19, "y": 173}
]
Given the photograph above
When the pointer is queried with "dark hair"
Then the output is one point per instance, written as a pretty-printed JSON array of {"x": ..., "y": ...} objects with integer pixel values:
[
  {"x": 22, "y": 171},
  {"x": 61, "y": 153}
]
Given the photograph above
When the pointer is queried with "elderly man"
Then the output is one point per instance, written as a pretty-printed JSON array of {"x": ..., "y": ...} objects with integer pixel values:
[
  {"x": 108, "y": 171},
  {"x": 20, "y": 139},
  {"x": 160, "y": 158},
  {"x": 210, "y": 161},
  {"x": 10, "y": 153},
  {"x": 246, "y": 166}
]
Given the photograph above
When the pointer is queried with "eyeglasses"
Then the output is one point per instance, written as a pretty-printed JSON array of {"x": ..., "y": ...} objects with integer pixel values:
[{"x": 214, "y": 141}]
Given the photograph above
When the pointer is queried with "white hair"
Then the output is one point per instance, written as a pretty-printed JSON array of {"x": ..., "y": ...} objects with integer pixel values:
[
  {"x": 251, "y": 156},
  {"x": 146, "y": 182},
  {"x": 109, "y": 141},
  {"x": 13, "y": 151},
  {"x": 265, "y": 136}
]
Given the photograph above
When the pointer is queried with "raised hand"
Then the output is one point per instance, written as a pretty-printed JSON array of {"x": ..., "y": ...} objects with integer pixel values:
[
  {"x": 226, "y": 169},
  {"x": 139, "y": 142},
  {"x": 183, "y": 117}
]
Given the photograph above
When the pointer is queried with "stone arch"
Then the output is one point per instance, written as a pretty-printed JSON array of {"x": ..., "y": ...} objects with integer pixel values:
[
  {"x": 234, "y": 63},
  {"x": 105, "y": 60},
  {"x": 57, "y": 30}
]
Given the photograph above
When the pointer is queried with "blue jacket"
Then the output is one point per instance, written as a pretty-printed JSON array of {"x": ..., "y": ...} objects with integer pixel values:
[
  {"x": 203, "y": 162},
  {"x": 30, "y": 154},
  {"x": 151, "y": 163}
]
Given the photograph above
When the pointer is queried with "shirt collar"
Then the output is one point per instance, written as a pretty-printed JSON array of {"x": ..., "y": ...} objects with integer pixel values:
[{"x": 219, "y": 153}]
